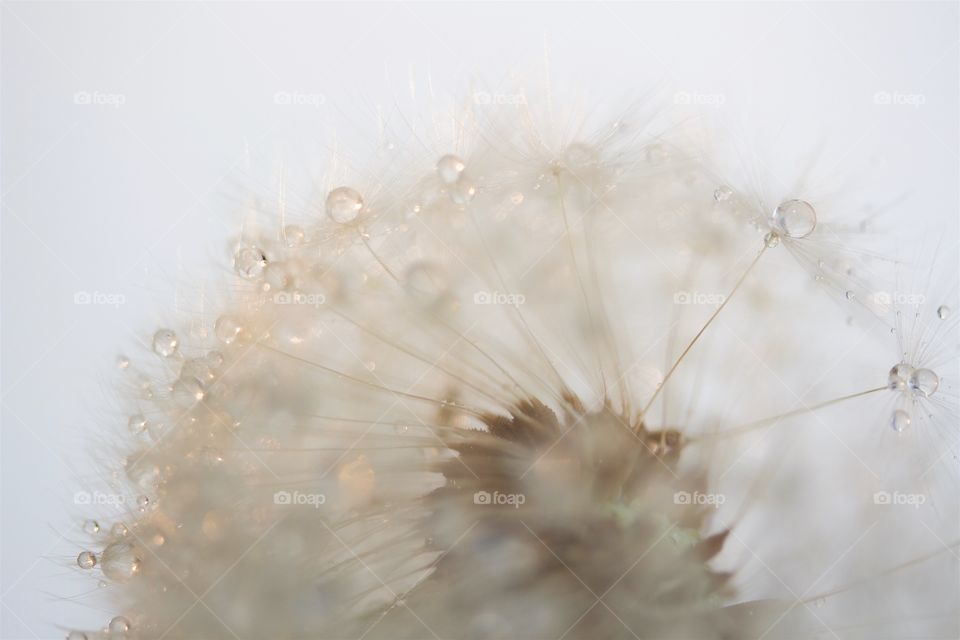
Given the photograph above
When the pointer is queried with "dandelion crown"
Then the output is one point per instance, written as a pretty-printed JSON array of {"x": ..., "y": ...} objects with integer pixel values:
[{"x": 525, "y": 385}]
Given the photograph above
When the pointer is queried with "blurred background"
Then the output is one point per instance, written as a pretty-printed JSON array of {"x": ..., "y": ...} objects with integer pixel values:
[{"x": 133, "y": 134}]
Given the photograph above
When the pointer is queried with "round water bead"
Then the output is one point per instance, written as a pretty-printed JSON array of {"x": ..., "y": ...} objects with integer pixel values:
[
  {"x": 924, "y": 382},
  {"x": 722, "y": 193},
  {"x": 91, "y": 527},
  {"x": 137, "y": 423},
  {"x": 188, "y": 390},
  {"x": 119, "y": 530},
  {"x": 214, "y": 359},
  {"x": 249, "y": 263},
  {"x": 196, "y": 368},
  {"x": 165, "y": 342},
  {"x": 344, "y": 204},
  {"x": 463, "y": 191},
  {"x": 119, "y": 561},
  {"x": 794, "y": 218},
  {"x": 450, "y": 168},
  {"x": 899, "y": 376},
  {"x": 118, "y": 625},
  {"x": 123, "y": 362},
  {"x": 771, "y": 240},
  {"x": 900, "y": 421},
  {"x": 227, "y": 328},
  {"x": 86, "y": 560},
  {"x": 294, "y": 236},
  {"x": 943, "y": 311}
]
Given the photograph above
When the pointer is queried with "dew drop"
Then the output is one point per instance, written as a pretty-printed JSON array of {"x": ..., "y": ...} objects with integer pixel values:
[
  {"x": 188, "y": 390},
  {"x": 142, "y": 502},
  {"x": 86, "y": 560},
  {"x": 91, "y": 527},
  {"x": 119, "y": 625},
  {"x": 771, "y": 239},
  {"x": 794, "y": 218},
  {"x": 899, "y": 376},
  {"x": 137, "y": 423},
  {"x": 227, "y": 328},
  {"x": 943, "y": 311},
  {"x": 450, "y": 168},
  {"x": 119, "y": 562},
  {"x": 249, "y": 263},
  {"x": 463, "y": 191},
  {"x": 344, "y": 204},
  {"x": 294, "y": 236},
  {"x": 722, "y": 193},
  {"x": 123, "y": 362},
  {"x": 900, "y": 421},
  {"x": 165, "y": 342},
  {"x": 119, "y": 530},
  {"x": 214, "y": 359},
  {"x": 924, "y": 382}
]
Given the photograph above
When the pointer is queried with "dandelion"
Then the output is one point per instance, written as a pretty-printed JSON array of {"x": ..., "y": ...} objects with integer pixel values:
[{"x": 524, "y": 388}]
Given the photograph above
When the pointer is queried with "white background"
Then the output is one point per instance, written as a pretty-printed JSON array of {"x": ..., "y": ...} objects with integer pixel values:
[{"x": 137, "y": 192}]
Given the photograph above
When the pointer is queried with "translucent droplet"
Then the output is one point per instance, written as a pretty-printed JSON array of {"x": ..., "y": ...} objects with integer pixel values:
[
  {"x": 900, "y": 421},
  {"x": 196, "y": 368},
  {"x": 137, "y": 423},
  {"x": 249, "y": 263},
  {"x": 924, "y": 382},
  {"x": 794, "y": 218},
  {"x": 123, "y": 362},
  {"x": 91, "y": 527},
  {"x": 86, "y": 560},
  {"x": 119, "y": 561},
  {"x": 188, "y": 390},
  {"x": 142, "y": 502},
  {"x": 943, "y": 311},
  {"x": 276, "y": 276},
  {"x": 771, "y": 239},
  {"x": 119, "y": 530},
  {"x": 294, "y": 236},
  {"x": 227, "y": 328},
  {"x": 899, "y": 376},
  {"x": 450, "y": 168},
  {"x": 722, "y": 193},
  {"x": 344, "y": 204},
  {"x": 463, "y": 191},
  {"x": 118, "y": 625},
  {"x": 165, "y": 342},
  {"x": 156, "y": 429},
  {"x": 214, "y": 359},
  {"x": 850, "y": 295}
]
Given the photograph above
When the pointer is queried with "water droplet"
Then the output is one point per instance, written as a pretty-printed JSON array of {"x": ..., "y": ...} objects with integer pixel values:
[
  {"x": 188, "y": 390},
  {"x": 137, "y": 423},
  {"x": 142, "y": 502},
  {"x": 249, "y": 263},
  {"x": 276, "y": 276},
  {"x": 119, "y": 530},
  {"x": 294, "y": 236},
  {"x": 794, "y": 218},
  {"x": 214, "y": 359},
  {"x": 227, "y": 328},
  {"x": 943, "y": 311},
  {"x": 900, "y": 421},
  {"x": 463, "y": 191},
  {"x": 165, "y": 342},
  {"x": 722, "y": 193},
  {"x": 119, "y": 561},
  {"x": 924, "y": 382},
  {"x": 123, "y": 362},
  {"x": 196, "y": 368},
  {"x": 91, "y": 527},
  {"x": 899, "y": 375},
  {"x": 850, "y": 295},
  {"x": 344, "y": 204},
  {"x": 771, "y": 240},
  {"x": 119, "y": 625},
  {"x": 86, "y": 560},
  {"x": 450, "y": 168}
]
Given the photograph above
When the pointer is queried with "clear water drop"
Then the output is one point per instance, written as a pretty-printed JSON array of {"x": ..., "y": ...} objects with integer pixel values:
[
  {"x": 771, "y": 239},
  {"x": 899, "y": 376},
  {"x": 119, "y": 561},
  {"x": 294, "y": 235},
  {"x": 119, "y": 530},
  {"x": 118, "y": 626},
  {"x": 344, "y": 204},
  {"x": 186, "y": 391},
  {"x": 794, "y": 218},
  {"x": 943, "y": 311},
  {"x": 142, "y": 502},
  {"x": 463, "y": 191},
  {"x": 227, "y": 328},
  {"x": 900, "y": 421},
  {"x": 86, "y": 560},
  {"x": 723, "y": 193},
  {"x": 165, "y": 342},
  {"x": 249, "y": 263},
  {"x": 137, "y": 423},
  {"x": 214, "y": 359},
  {"x": 123, "y": 362},
  {"x": 91, "y": 527},
  {"x": 450, "y": 168},
  {"x": 924, "y": 382}
]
